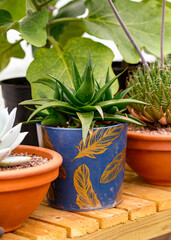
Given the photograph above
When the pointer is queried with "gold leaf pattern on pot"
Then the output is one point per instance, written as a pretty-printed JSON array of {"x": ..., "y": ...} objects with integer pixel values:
[
  {"x": 46, "y": 139},
  {"x": 114, "y": 168},
  {"x": 62, "y": 172},
  {"x": 86, "y": 197},
  {"x": 98, "y": 141}
]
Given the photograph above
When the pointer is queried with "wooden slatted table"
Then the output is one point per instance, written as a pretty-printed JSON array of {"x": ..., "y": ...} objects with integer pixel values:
[{"x": 144, "y": 213}]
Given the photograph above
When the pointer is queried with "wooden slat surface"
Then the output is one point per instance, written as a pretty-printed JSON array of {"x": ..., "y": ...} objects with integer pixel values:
[{"x": 144, "y": 213}]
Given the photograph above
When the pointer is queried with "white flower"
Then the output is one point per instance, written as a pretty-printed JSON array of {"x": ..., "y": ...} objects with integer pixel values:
[{"x": 10, "y": 138}]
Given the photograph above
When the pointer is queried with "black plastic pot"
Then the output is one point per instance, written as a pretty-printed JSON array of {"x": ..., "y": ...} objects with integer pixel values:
[
  {"x": 15, "y": 91},
  {"x": 118, "y": 67}
]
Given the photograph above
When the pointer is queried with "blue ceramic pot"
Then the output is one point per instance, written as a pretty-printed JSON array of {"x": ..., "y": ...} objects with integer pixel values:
[{"x": 92, "y": 174}]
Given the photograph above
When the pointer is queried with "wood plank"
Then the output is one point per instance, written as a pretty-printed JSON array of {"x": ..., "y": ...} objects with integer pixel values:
[
  {"x": 11, "y": 236},
  {"x": 161, "y": 197},
  {"x": 132, "y": 177},
  {"x": 36, "y": 230},
  {"x": 75, "y": 224},
  {"x": 107, "y": 217},
  {"x": 137, "y": 207},
  {"x": 141, "y": 229}
]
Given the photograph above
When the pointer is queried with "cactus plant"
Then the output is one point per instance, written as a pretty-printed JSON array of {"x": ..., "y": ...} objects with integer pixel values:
[
  {"x": 84, "y": 105},
  {"x": 154, "y": 89},
  {"x": 10, "y": 138}
]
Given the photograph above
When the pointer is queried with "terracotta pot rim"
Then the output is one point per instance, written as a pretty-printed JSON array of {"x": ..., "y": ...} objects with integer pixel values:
[
  {"x": 56, "y": 161},
  {"x": 78, "y": 129},
  {"x": 146, "y": 136}
]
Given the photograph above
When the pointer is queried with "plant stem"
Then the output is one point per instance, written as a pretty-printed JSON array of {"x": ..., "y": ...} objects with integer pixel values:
[
  {"x": 162, "y": 33},
  {"x": 63, "y": 20},
  {"x": 36, "y": 4},
  {"x": 128, "y": 35},
  {"x": 44, "y": 3}
]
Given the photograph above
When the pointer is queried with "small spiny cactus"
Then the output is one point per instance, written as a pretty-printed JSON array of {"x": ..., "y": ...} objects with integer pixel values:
[{"x": 153, "y": 88}]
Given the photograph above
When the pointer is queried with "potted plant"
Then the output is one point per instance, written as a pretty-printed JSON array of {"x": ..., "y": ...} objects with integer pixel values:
[
  {"x": 25, "y": 173},
  {"x": 149, "y": 152},
  {"x": 87, "y": 126}
]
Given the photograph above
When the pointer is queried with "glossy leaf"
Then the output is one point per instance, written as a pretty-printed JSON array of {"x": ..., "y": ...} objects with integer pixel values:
[
  {"x": 58, "y": 64},
  {"x": 33, "y": 28},
  {"x": 145, "y": 25},
  {"x": 8, "y": 50},
  {"x": 86, "y": 119}
]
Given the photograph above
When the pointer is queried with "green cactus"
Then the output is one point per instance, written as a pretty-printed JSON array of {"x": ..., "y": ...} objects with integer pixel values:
[{"x": 153, "y": 88}]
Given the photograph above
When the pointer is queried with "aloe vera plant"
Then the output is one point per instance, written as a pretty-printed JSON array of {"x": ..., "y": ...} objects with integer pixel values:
[
  {"x": 84, "y": 105},
  {"x": 10, "y": 138}
]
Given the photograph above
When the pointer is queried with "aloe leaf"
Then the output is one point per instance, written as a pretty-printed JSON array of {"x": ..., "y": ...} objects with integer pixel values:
[
  {"x": 10, "y": 136},
  {"x": 4, "y": 153},
  {"x": 86, "y": 120},
  {"x": 53, "y": 105},
  {"x": 47, "y": 82},
  {"x": 102, "y": 91},
  {"x": 57, "y": 94},
  {"x": 108, "y": 92},
  {"x": 77, "y": 81},
  {"x": 13, "y": 161},
  {"x": 37, "y": 101},
  {"x": 68, "y": 93},
  {"x": 55, "y": 120},
  {"x": 119, "y": 103},
  {"x": 86, "y": 92},
  {"x": 118, "y": 118},
  {"x": 87, "y": 65}
]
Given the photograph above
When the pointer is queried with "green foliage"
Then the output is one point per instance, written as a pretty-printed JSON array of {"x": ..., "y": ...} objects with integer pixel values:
[
  {"x": 56, "y": 61},
  {"x": 36, "y": 22},
  {"x": 154, "y": 89},
  {"x": 83, "y": 104}
]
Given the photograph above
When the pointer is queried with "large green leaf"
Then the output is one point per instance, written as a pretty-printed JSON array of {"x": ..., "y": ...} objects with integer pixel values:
[
  {"x": 33, "y": 28},
  {"x": 17, "y": 8},
  {"x": 69, "y": 30},
  {"x": 8, "y": 50},
  {"x": 6, "y": 21},
  {"x": 143, "y": 20},
  {"x": 57, "y": 63}
]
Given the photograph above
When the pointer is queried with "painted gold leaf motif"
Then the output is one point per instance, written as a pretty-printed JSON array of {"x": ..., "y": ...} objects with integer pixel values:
[
  {"x": 62, "y": 172},
  {"x": 86, "y": 197},
  {"x": 48, "y": 144},
  {"x": 114, "y": 168},
  {"x": 98, "y": 141},
  {"x": 46, "y": 140}
]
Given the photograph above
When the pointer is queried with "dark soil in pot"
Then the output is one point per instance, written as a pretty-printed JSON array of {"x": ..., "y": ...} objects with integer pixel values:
[{"x": 15, "y": 91}]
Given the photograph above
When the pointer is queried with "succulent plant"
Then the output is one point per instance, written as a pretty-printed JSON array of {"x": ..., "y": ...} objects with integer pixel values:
[
  {"x": 10, "y": 138},
  {"x": 153, "y": 88},
  {"x": 84, "y": 105}
]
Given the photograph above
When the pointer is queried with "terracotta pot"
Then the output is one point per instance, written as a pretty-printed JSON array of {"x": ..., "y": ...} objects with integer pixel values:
[
  {"x": 150, "y": 157},
  {"x": 21, "y": 191}
]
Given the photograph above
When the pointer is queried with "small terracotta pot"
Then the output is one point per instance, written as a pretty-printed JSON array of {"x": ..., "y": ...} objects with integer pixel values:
[
  {"x": 21, "y": 191},
  {"x": 150, "y": 157}
]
